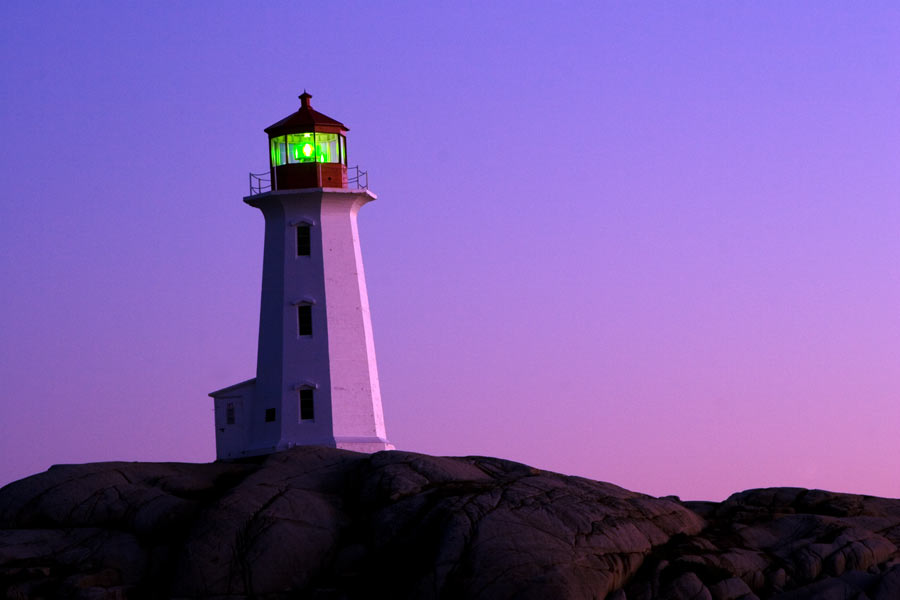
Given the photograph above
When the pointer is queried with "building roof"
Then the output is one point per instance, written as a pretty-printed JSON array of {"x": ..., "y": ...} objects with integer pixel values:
[
  {"x": 305, "y": 119},
  {"x": 232, "y": 388}
]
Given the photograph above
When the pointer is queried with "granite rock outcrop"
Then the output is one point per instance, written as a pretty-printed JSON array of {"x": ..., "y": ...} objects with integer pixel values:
[{"x": 317, "y": 522}]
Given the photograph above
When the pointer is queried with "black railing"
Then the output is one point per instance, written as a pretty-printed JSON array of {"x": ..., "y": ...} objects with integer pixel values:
[
  {"x": 357, "y": 179},
  {"x": 260, "y": 183}
]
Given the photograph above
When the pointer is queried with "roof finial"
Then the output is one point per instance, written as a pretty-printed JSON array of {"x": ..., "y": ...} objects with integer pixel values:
[{"x": 304, "y": 99}]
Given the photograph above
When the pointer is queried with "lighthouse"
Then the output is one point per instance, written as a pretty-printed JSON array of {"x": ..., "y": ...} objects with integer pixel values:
[{"x": 316, "y": 378}]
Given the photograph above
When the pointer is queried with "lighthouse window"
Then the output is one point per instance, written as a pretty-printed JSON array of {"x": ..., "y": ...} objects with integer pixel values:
[
  {"x": 304, "y": 319},
  {"x": 308, "y": 147},
  {"x": 306, "y": 405},
  {"x": 301, "y": 147},
  {"x": 303, "y": 245},
  {"x": 327, "y": 147},
  {"x": 277, "y": 148},
  {"x": 229, "y": 413},
  {"x": 270, "y": 415}
]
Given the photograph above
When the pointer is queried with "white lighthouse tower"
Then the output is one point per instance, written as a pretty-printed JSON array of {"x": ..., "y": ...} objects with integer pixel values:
[{"x": 316, "y": 378}]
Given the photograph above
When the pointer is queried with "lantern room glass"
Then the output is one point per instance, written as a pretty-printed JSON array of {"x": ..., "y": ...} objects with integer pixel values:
[
  {"x": 327, "y": 147},
  {"x": 308, "y": 147},
  {"x": 278, "y": 151},
  {"x": 301, "y": 147}
]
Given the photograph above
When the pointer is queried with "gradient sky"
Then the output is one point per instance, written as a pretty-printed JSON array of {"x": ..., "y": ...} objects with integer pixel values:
[{"x": 649, "y": 243}]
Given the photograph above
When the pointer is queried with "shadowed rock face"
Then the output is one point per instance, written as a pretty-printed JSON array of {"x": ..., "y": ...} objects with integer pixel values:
[{"x": 325, "y": 523}]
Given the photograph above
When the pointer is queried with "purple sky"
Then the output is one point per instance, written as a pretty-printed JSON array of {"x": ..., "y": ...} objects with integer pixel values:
[{"x": 656, "y": 244}]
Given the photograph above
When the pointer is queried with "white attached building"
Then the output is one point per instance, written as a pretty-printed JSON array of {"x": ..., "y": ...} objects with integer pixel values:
[{"x": 316, "y": 378}]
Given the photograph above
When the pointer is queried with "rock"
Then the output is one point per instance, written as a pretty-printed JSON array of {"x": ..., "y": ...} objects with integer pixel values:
[
  {"x": 889, "y": 586},
  {"x": 828, "y": 589},
  {"x": 686, "y": 586},
  {"x": 325, "y": 523},
  {"x": 732, "y": 589},
  {"x": 787, "y": 543}
]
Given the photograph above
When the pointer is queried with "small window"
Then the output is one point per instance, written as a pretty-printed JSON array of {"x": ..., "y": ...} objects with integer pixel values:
[
  {"x": 304, "y": 319},
  {"x": 229, "y": 413},
  {"x": 327, "y": 148},
  {"x": 303, "y": 244},
  {"x": 279, "y": 155},
  {"x": 301, "y": 148},
  {"x": 307, "y": 412},
  {"x": 270, "y": 415}
]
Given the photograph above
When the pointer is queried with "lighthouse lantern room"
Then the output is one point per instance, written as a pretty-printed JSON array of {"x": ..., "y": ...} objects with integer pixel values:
[
  {"x": 307, "y": 149},
  {"x": 316, "y": 377}
]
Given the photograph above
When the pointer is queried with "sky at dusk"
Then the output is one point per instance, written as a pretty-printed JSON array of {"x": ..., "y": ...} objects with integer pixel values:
[{"x": 650, "y": 243}]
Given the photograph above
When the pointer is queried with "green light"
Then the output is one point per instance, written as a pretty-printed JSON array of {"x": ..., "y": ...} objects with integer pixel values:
[
  {"x": 307, "y": 150},
  {"x": 277, "y": 151}
]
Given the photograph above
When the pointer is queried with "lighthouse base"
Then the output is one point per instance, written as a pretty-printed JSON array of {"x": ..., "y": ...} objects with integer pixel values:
[{"x": 363, "y": 444}]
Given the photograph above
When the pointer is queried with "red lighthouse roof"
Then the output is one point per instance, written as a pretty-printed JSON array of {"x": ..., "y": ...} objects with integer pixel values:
[{"x": 305, "y": 119}]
